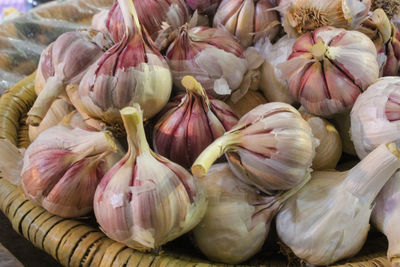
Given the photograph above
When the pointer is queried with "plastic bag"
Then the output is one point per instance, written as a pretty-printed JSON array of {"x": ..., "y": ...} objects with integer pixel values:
[{"x": 22, "y": 39}]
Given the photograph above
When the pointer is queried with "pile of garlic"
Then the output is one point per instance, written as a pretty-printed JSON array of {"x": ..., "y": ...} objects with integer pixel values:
[{"x": 221, "y": 119}]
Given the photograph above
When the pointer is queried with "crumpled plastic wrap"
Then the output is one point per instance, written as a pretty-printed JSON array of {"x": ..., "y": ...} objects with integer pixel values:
[
  {"x": 22, "y": 39},
  {"x": 7, "y": 259}
]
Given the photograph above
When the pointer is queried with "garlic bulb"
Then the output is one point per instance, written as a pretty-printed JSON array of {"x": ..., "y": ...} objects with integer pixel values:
[
  {"x": 153, "y": 15},
  {"x": 375, "y": 116},
  {"x": 132, "y": 71},
  {"x": 62, "y": 169},
  {"x": 204, "y": 6},
  {"x": 190, "y": 123},
  {"x": 386, "y": 215},
  {"x": 329, "y": 150},
  {"x": 386, "y": 39},
  {"x": 329, "y": 68},
  {"x": 58, "y": 110},
  {"x": 211, "y": 56},
  {"x": 248, "y": 20},
  {"x": 328, "y": 219},
  {"x": 272, "y": 84},
  {"x": 271, "y": 147},
  {"x": 145, "y": 200},
  {"x": 249, "y": 101},
  {"x": 302, "y": 16},
  {"x": 64, "y": 61},
  {"x": 238, "y": 217}
]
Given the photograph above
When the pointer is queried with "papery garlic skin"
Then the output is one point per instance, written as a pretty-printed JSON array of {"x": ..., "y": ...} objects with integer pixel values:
[
  {"x": 58, "y": 110},
  {"x": 328, "y": 219},
  {"x": 329, "y": 150},
  {"x": 249, "y": 101},
  {"x": 190, "y": 123},
  {"x": 64, "y": 61},
  {"x": 248, "y": 20},
  {"x": 271, "y": 148},
  {"x": 302, "y": 16},
  {"x": 211, "y": 56},
  {"x": 132, "y": 71},
  {"x": 99, "y": 21},
  {"x": 145, "y": 200},
  {"x": 272, "y": 84},
  {"x": 237, "y": 220},
  {"x": 329, "y": 68},
  {"x": 386, "y": 215},
  {"x": 61, "y": 169},
  {"x": 375, "y": 117},
  {"x": 153, "y": 15}
]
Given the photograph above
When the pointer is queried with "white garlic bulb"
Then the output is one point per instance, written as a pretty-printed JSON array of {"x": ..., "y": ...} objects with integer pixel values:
[
  {"x": 328, "y": 219},
  {"x": 386, "y": 217},
  {"x": 375, "y": 117},
  {"x": 238, "y": 217}
]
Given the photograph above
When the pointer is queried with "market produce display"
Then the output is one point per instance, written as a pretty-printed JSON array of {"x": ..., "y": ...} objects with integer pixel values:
[{"x": 222, "y": 122}]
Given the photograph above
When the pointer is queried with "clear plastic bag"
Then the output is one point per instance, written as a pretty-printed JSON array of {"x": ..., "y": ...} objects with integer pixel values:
[{"x": 22, "y": 39}]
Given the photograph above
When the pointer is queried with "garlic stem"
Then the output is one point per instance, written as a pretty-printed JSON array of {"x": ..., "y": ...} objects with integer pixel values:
[
  {"x": 133, "y": 122},
  {"x": 128, "y": 12},
  {"x": 219, "y": 147},
  {"x": 193, "y": 86},
  {"x": 318, "y": 50},
  {"x": 52, "y": 89},
  {"x": 364, "y": 182}
]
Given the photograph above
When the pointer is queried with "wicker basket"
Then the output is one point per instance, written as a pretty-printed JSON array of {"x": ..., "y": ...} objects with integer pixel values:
[{"x": 80, "y": 242}]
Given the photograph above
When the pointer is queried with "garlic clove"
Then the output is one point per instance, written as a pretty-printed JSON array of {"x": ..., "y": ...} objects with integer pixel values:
[
  {"x": 339, "y": 86},
  {"x": 379, "y": 28},
  {"x": 272, "y": 84},
  {"x": 329, "y": 150},
  {"x": 248, "y": 20},
  {"x": 58, "y": 110},
  {"x": 328, "y": 219},
  {"x": 62, "y": 200},
  {"x": 248, "y": 102},
  {"x": 244, "y": 28},
  {"x": 271, "y": 148},
  {"x": 204, "y": 6},
  {"x": 145, "y": 200}
]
